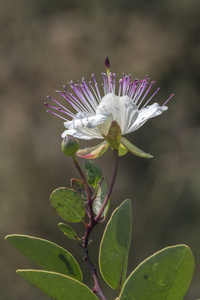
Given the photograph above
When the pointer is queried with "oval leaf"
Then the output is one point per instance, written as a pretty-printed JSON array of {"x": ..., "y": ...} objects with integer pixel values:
[
  {"x": 68, "y": 204},
  {"x": 68, "y": 231},
  {"x": 101, "y": 194},
  {"x": 115, "y": 245},
  {"x": 58, "y": 286},
  {"x": 93, "y": 152},
  {"x": 46, "y": 254},
  {"x": 94, "y": 173},
  {"x": 78, "y": 185},
  {"x": 165, "y": 275},
  {"x": 135, "y": 150}
]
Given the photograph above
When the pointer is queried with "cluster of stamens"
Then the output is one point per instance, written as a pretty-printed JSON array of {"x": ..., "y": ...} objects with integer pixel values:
[{"x": 86, "y": 97}]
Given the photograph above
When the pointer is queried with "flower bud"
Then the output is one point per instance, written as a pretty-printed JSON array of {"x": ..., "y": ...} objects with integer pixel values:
[{"x": 69, "y": 145}]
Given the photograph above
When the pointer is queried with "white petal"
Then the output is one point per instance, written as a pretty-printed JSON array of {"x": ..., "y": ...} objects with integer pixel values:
[
  {"x": 128, "y": 113},
  {"x": 90, "y": 122},
  {"x": 94, "y": 133},
  {"x": 104, "y": 128},
  {"x": 109, "y": 105},
  {"x": 76, "y": 134},
  {"x": 145, "y": 114},
  {"x": 122, "y": 109}
]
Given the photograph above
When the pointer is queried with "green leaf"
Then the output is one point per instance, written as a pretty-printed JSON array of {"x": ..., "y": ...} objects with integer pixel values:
[
  {"x": 133, "y": 149},
  {"x": 165, "y": 275},
  {"x": 68, "y": 204},
  {"x": 68, "y": 231},
  {"x": 101, "y": 194},
  {"x": 78, "y": 185},
  {"x": 46, "y": 254},
  {"x": 57, "y": 286},
  {"x": 94, "y": 173},
  {"x": 115, "y": 245},
  {"x": 93, "y": 152}
]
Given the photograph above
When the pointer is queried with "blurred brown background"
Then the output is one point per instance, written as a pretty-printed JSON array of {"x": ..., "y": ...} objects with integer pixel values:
[{"x": 45, "y": 44}]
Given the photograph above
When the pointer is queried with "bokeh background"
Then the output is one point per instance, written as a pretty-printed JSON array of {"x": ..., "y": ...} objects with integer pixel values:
[{"x": 45, "y": 44}]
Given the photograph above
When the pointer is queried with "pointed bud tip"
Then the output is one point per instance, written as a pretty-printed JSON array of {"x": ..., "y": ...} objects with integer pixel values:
[{"x": 107, "y": 63}]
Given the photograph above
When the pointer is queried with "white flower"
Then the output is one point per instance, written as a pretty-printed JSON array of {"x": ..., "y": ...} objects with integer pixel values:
[{"x": 94, "y": 114}]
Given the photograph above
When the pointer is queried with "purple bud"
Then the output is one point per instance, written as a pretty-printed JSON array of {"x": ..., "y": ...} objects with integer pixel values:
[{"x": 107, "y": 63}]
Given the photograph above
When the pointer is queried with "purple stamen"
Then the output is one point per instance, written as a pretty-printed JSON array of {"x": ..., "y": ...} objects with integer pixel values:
[
  {"x": 72, "y": 102},
  {"x": 168, "y": 100},
  {"x": 52, "y": 112},
  {"x": 151, "y": 97},
  {"x": 71, "y": 98},
  {"x": 148, "y": 90},
  {"x": 60, "y": 105},
  {"x": 120, "y": 87},
  {"x": 96, "y": 86},
  {"x": 114, "y": 80}
]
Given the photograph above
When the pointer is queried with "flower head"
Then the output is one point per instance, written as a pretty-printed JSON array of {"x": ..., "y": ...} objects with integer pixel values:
[{"x": 110, "y": 116}]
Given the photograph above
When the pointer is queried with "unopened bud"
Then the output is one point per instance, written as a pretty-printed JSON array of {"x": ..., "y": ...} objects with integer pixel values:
[
  {"x": 107, "y": 63},
  {"x": 69, "y": 145}
]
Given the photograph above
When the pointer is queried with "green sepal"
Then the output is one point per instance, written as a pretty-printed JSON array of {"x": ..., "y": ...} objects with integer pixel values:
[
  {"x": 101, "y": 194},
  {"x": 46, "y": 255},
  {"x": 114, "y": 135},
  {"x": 133, "y": 149},
  {"x": 93, "y": 152},
  {"x": 68, "y": 204},
  {"x": 94, "y": 173},
  {"x": 115, "y": 245},
  {"x": 68, "y": 231},
  {"x": 122, "y": 150},
  {"x": 164, "y": 275},
  {"x": 58, "y": 286}
]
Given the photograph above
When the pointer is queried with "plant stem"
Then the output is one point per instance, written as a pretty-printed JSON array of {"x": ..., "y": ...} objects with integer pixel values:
[
  {"x": 94, "y": 221},
  {"x": 97, "y": 286}
]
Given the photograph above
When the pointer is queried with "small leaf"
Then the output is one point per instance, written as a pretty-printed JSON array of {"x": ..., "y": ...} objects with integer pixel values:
[
  {"x": 57, "y": 286},
  {"x": 115, "y": 245},
  {"x": 68, "y": 231},
  {"x": 78, "y": 186},
  {"x": 93, "y": 152},
  {"x": 122, "y": 150},
  {"x": 165, "y": 275},
  {"x": 46, "y": 254},
  {"x": 94, "y": 173},
  {"x": 133, "y": 149},
  {"x": 101, "y": 194},
  {"x": 68, "y": 204}
]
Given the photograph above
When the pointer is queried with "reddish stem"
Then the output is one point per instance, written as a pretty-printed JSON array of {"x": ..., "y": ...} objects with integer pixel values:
[{"x": 94, "y": 221}]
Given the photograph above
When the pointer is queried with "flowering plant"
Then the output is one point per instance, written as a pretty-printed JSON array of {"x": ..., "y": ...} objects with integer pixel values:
[{"x": 166, "y": 274}]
